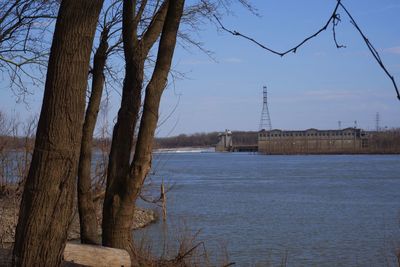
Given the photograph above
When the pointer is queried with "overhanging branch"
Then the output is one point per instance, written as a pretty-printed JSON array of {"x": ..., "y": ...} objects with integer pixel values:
[
  {"x": 372, "y": 49},
  {"x": 334, "y": 19}
]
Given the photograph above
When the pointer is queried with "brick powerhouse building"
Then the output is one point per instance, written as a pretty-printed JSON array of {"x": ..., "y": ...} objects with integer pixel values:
[{"x": 312, "y": 141}]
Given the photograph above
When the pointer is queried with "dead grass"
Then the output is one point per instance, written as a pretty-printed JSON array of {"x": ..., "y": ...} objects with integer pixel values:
[{"x": 185, "y": 249}]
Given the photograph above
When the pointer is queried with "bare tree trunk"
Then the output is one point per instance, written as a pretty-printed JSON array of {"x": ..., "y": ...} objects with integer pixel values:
[
  {"x": 135, "y": 52},
  {"x": 122, "y": 198},
  {"x": 47, "y": 201},
  {"x": 119, "y": 159},
  {"x": 124, "y": 128},
  {"x": 86, "y": 207}
]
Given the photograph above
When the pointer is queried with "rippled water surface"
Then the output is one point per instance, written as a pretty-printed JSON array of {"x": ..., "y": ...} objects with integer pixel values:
[{"x": 339, "y": 210}]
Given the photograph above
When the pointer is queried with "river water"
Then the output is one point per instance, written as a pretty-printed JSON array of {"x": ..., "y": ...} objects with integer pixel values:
[{"x": 331, "y": 210}]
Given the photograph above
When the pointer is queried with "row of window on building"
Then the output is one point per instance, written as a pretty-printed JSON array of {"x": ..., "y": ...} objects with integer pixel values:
[{"x": 307, "y": 134}]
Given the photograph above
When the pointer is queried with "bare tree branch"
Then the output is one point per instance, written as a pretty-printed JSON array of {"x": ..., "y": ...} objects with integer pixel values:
[
  {"x": 23, "y": 47},
  {"x": 334, "y": 19},
  {"x": 372, "y": 49}
]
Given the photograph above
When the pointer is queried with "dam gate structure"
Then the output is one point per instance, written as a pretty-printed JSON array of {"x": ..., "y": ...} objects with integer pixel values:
[{"x": 224, "y": 142}]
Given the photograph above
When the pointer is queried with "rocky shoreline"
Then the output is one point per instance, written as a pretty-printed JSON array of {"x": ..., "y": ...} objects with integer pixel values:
[
  {"x": 9, "y": 208},
  {"x": 142, "y": 218}
]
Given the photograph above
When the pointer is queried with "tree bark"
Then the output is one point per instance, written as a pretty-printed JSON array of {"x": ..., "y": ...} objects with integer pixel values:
[
  {"x": 47, "y": 200},
  {"x": 86, "y": 206},
  {"x": 121, "y": 199}
]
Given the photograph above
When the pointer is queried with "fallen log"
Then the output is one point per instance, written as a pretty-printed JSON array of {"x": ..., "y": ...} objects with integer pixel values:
[{"x": 91, "y": 255}]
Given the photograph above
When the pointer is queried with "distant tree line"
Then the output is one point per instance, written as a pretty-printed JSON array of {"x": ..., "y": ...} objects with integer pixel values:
[
  {"x": 205, "y": 139},
  {"x": 10, "y": 142},
  {"x": 387, "y": 141},
  {"x": 183, "y": 140}
]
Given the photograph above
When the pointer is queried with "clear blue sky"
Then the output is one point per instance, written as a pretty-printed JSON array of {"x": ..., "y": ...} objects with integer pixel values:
[{"x": 316, "y": 87}]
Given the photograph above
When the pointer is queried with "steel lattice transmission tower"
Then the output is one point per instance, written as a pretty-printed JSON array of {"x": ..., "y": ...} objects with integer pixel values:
[
  {"x": 377, "y": 122},
  {"x": 265, "y": 122}
]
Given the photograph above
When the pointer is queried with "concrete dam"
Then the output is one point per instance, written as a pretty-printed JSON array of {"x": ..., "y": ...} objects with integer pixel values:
[{"x": 314, "y": 141}]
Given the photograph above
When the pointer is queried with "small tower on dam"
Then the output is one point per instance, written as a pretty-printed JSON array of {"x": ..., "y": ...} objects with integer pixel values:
[
  {"x": 265, "y": 122},
  {"x": 224, "y": 142}
]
